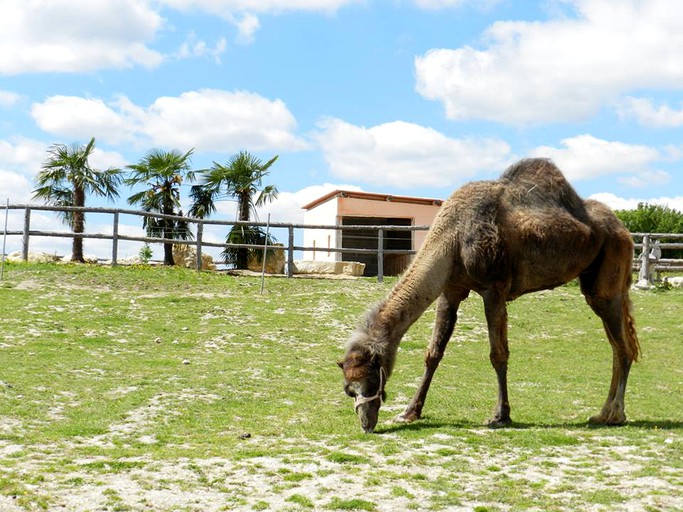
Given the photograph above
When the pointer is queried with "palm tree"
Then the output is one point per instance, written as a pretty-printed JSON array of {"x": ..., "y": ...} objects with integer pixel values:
[
  {"x": 67, "y": 178},
  {"x": 241, "y": 178},
  {"x": 163, "y": 172}
]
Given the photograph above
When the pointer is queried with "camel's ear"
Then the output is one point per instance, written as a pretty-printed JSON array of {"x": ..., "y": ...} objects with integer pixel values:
[{"x": 340, "y": 364}]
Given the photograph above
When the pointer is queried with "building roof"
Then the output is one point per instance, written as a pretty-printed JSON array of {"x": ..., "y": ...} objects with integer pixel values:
[{"x": 370, "y": 196}]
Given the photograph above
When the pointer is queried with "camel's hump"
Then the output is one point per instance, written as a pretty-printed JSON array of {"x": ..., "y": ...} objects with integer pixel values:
[
  {"x": 538, "y": 182},
  {"x": 536, "y": 170}
]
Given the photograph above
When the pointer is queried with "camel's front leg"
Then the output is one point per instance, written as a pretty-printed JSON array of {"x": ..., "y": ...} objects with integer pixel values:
[
  {"x": 496, "y": 318},
  {"x": 446, "y": 316}
]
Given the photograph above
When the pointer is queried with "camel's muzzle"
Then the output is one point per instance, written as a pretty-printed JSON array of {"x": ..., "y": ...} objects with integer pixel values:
[{"x": 367, "y": 407}]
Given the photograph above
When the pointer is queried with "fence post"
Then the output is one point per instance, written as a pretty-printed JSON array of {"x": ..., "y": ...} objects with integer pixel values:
[
  {"x": 265, "y": 255},
  {"x": 645, "y": 258},
  {"x": 290, "y": 252},
  {"x": 4, "y": 241},
  {"x": 115, "y": 240},
  {"x": 200, "y": 233},
  {"x": 380, "y": 255},
  {"x": 27, "y": 227},
  {"x": 644, "y": 273}
]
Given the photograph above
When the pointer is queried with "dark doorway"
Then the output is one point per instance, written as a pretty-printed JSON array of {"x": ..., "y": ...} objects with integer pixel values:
[{"x": 394, "y": 264}]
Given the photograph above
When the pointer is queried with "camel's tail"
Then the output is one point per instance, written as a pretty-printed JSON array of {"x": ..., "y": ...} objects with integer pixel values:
[{"x": 630, "y": 334}]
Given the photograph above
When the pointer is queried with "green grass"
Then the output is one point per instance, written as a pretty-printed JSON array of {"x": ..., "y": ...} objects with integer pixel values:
[{"x": 117, "y": 384}]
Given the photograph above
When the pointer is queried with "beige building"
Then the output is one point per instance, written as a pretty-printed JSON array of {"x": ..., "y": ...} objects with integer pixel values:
[{"x": 344, "y": 208}]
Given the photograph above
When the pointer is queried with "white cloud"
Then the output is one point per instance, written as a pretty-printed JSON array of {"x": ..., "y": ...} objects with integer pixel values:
[
  {"x": 103, "y": 160},
  {"x": 207, "y": 120},
  {"x": 559, "y": 70},
  {"x": 662, "y": 116},
  {"x": 9, "y": 99},
  {"x": 222, "y": 121},
  {"x": 406, "y": 155},
  {"x": 287, "y": 207},
  {"x": 81, "y": 118},
  {"x": 246, "y": 27},
  {"x": 241, "y": 13},
  {"x": 619, "y": 203},
  {"x": 586, "y": 157},
  {"x": 443, "y": 4},
  {"x": 86, "y": 35},
  {"x": 262, "y": 6},
  {"x": 22, "y": 154},
  {"x": 646, "y": 178},
  {"x": 76, "y": 35},
  {"x": 194, "y": 47},
  {"x": 15, "y": 187},
  {"x": 20, "y": 161}
]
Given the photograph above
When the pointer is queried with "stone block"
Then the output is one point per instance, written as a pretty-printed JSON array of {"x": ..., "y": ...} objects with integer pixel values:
[
  {"x": 349, "y": 268},
  {"x": 275, "y": 262},
  {"x": 318, "y": 267},
  {"x": 185, "y": 255}
]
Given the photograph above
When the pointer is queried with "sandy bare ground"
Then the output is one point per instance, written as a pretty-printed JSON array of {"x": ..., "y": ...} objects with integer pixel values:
[{"x": 439, "y": 472}]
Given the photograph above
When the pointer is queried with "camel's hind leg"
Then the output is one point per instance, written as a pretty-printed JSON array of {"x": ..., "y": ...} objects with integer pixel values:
[
  {"x": 614, "y": 309},
  {"x": 446, "y": 317}
]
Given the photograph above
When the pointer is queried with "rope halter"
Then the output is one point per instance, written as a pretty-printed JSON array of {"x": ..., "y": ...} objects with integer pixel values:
[{"x": 361, "y": 399}]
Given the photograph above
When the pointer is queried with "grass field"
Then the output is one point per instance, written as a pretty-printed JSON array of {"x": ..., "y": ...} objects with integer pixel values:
[{"x": 156, "y": 389}]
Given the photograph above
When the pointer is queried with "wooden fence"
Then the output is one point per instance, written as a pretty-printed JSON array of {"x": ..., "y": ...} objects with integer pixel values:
[
  {"x": 199, "y": 243},
  {"x": 646, "y": 243},
  {"x": 648, "y": 249}
]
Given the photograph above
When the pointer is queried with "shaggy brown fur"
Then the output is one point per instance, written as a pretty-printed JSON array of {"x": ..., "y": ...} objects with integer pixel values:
[{"x": 524, "y": 232}]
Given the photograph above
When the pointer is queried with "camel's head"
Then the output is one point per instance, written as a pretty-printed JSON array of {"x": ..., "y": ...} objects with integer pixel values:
[{"x": 364, "y": 379}]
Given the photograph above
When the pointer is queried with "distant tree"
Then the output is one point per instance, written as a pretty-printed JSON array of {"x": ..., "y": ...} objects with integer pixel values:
[
  {"x": 653, "y": 218},
  {"x": 163, "y": 172},
  {"x": 241, "y": 178},
  {"x": 66, "y": 179}
]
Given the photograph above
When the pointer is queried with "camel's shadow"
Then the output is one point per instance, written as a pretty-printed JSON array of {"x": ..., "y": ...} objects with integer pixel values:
[{"x": 425, "y": 425}]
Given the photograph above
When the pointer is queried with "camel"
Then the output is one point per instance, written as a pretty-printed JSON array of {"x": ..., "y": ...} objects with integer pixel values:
[{"x": 524, "y": 232}]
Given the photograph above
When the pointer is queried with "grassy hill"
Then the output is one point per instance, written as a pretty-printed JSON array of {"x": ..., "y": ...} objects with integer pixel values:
[{"x": 138, "y": 388}]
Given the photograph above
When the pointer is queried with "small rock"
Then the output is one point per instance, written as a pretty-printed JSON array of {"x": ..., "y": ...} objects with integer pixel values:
[
  {"x": 186, "y": 361},
  {"x": 246, "y": 435}
]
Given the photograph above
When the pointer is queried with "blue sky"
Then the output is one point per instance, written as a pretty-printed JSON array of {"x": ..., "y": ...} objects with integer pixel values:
[{"x": 411, "y": 97}]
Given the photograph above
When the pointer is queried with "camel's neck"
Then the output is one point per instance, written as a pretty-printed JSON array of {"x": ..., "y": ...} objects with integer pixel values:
[{"x": 422, "y": 283}]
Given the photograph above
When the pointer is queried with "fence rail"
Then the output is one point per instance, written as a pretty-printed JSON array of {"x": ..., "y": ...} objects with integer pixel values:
[
  {"x": 645, "y": 243},
  {"x": 198, "y": 242}
]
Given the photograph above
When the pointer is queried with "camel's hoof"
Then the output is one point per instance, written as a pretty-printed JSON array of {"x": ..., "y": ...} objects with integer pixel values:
[
  {"x": 598, "y": 419},
  {"x": 406, "y": 417},
  {"x": 609, "y": 421},
  {"x": 498, "y": 422}
]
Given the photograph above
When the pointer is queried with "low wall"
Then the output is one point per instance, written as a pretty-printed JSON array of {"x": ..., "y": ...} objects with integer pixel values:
[{"x": 349, "y": 268}]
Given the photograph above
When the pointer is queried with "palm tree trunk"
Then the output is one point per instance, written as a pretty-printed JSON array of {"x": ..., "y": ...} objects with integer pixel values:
[
  {"x": 78, "y": 225},
  {"x": 243, "y": 202},
  {"x": 168, "y": 248},
  {"x": 168, "y": 234}
]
